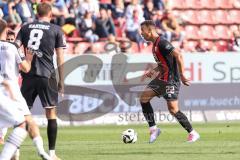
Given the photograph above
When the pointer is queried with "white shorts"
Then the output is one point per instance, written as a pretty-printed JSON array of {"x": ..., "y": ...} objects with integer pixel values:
[
  {"x": 11, "y": 113},
  {"x": 19, "y": 97}
]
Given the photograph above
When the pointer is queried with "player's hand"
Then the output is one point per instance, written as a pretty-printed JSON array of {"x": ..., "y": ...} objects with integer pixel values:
[
  {"x": 61, "y": 89},
  {"x": 185, "y": 80},
  {"x": 150, "y": 73},
  {"x": 29, "y": 54}
]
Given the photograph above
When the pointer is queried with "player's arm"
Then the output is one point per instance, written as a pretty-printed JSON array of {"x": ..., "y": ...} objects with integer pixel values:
[
  {"x": 59, "y": 47},
  {"x": 8, "y": 89},
  {"x": 179, "y": 58},
  {"x": 19, "y": 37},
  {"x": 60, "y": 61},
  {"x": 25, "y": 64}
]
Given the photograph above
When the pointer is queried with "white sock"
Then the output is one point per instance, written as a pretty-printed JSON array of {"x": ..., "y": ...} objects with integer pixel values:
[
  {"x": 153, "y": 128},
  {"x": 14, "y": 140},
  {"x": 193, "y": 132},
  {"x": 52, "y": 153},
  {"x": 38, "y": 143}
]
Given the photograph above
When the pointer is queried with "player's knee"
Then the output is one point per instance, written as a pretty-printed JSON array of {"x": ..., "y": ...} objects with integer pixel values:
[
  {"x": 144, "y": 98},
  {"x": 173, "y": 111},
  {"x": 51, "y": 113},
  {"x": 21, "y": 125}
]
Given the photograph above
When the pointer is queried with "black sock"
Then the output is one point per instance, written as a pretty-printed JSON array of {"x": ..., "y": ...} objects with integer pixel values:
[
  {"x": 148, "y": 113},
  {"x": 52, "y": 133},
  {"x": 182, "y": 119}
]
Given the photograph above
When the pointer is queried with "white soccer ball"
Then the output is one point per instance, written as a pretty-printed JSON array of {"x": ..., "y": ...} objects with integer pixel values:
[{"x": 129, "y": 136}]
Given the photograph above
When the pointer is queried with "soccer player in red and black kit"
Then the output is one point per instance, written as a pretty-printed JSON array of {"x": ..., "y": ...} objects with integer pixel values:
[
  {"x": 169, "y": 72},
  {"x": 44, "y": 38}
]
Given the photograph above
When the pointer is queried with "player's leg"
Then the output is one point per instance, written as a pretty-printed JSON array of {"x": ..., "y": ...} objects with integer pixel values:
[
  {"x": 171, "y": 95},
  {"x": 3, "y": 132},
  {"x": 48, "y": 94},
  {"x": 11, "y": 115},
  {"x": 14, "y": 141},
  {"x": 51, "y": 129},
  {"x": 29, "y": 93},
  {"x": 34, "y": 134},
  {"x": 183, "y": 120},
  {"x": 148, "y": 112}
]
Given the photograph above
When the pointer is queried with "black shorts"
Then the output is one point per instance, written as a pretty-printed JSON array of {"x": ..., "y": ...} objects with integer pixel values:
[
  {"x": 169, "y": 90},
  {"x": 45, "y": 88}
]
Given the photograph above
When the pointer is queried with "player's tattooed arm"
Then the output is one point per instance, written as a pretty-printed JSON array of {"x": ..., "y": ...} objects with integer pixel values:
[{"x": 178, "y": 55}]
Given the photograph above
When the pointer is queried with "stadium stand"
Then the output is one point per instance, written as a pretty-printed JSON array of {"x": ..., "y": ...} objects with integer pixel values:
[{"x": 207, "y": 20}]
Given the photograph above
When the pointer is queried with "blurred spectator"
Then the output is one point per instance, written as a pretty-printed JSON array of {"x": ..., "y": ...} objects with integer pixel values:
[
  {"x": 74, "y": 11},
  {"x": 59, "y": 11},
  {"x": 10, "y": 36},
  {"x": 118, "y": 12},
  {"x": 25, "y": 11},
  {"x": 61, "y": 6},
  {"x": 10, "y": 13},
  {"x": 159, "y": 4},
  {"x": 1, "y": 13},
  {"x": 88, "y": 28},
  {"x": 236, "y": 3},
  {"x": 134, "y": 6},
  {"x": 34, "y": 5},
  {"x": 202, "y": 46},
  {"x": 2, "y": 3},
  {"x": 171, "y": 27},
  {"x": 157, "y": 18},
  {"x": 236, "y": 41},
  {"x": 89, "y": 6},
  {"x": 148, "y": 10},
  {"x": 105, "y": 26},
  {"x": 118, "y": 9},
  {"x": 132, "y": 29}
]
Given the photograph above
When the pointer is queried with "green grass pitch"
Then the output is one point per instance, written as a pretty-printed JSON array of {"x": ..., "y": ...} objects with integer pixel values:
[{"x": 219, "y": 141}]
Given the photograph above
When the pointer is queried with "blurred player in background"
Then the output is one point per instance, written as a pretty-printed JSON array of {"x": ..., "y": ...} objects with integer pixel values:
[
  {"x": 168, "y": 74},
  {"x": 44, "y": 38},
  {"x": 10, "y": 61}
]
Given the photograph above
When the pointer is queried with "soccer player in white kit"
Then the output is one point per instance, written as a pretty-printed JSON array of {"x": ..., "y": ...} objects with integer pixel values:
[
  {"x": 10, "y": 61},
  {"x": 3, "y": 131}
]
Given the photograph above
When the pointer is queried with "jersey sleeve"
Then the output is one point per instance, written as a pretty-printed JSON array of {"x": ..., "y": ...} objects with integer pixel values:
[
  {"x": 19, "y": 55},
  {"x": 60, "y": 40},
  {"x": 166, "y": 47}
]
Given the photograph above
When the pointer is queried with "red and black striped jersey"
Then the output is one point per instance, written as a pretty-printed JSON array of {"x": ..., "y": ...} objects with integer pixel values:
[{"x": 167, "y": 64}]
